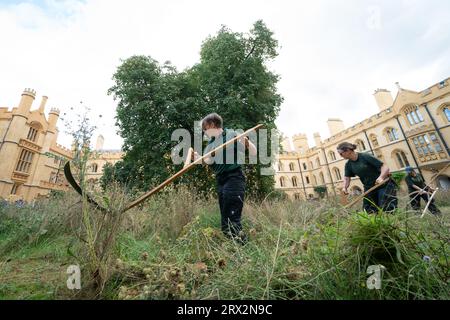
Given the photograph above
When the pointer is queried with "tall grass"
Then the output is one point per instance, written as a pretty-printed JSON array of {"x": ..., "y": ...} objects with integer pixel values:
[{"x": 171, "y": 247}]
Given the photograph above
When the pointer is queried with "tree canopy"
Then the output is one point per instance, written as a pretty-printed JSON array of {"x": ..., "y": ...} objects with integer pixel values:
[{"x": 231, "y": 78}]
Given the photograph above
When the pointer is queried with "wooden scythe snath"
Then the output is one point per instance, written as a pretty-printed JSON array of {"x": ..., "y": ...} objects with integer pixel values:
[
  {"x": 187, "y": 167},
  {"x": 366, "y": 193}
]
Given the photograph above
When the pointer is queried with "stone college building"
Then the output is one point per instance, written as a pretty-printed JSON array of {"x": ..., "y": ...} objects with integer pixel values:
[{"x": 411, "y": 130}]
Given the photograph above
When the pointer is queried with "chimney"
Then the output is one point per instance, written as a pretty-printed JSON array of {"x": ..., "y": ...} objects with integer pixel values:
[
  {"x": 100, "y": 141},
  {"x": 335, "y": 126},
  {"x": 300, "y": 142},
  {"x": 383, "y": 98},
  {"x": 317, "y": 139},
  {"x": 42, "y": 106},
  {"x": 26, "y": 101}
]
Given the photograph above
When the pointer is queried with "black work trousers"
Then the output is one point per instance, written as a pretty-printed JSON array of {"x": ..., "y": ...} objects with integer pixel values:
[
  {"x": 384, "y": 198},
  {"x": 231, "y": 192}
]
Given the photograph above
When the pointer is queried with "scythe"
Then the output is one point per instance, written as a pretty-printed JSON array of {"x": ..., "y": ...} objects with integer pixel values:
[{"x": 187, "y": 167}]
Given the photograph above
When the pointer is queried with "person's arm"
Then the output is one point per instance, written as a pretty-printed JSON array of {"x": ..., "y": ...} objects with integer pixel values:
[
  {"x": 208, "y": 160},
  {"x": 384, "y": 174},
  {"x": 249, "y": 145},
  {"x": 346, "y": 185}
]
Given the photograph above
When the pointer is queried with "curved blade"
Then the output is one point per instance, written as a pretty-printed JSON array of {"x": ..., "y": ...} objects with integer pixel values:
[{"x": 74, "y": 184}]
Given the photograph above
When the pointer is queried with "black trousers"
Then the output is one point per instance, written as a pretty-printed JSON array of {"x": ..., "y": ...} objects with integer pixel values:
[
  {"x": 384, "y": 198},
  {"x": 415, "y": 202},
  {"x": 231, "y": 192}
]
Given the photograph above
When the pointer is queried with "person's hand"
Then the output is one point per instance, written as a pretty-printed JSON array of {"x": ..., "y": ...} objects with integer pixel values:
[
  {"x": 379, "y": 180},
  {"x": 345, "y": 191},
  {"x": 196, "y": 156},
  {"x": 244, "y": 141}
]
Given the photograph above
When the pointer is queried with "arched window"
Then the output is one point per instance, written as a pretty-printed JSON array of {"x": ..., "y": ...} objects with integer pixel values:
[
  {"x": 374, "y": 140},
  {"x": 413, "y": 115},
  {"x": 311, "y": 165},
  {"x": 94, "y": 167},
  {"x": 360, "y": 146},
  {"x": 322, "y": 179},
  {"x": 297, "y": 196},
  {"x": 447, "y": 113},
  {"x": 337, "y": 174},
  {"x": 294, "y": 181},
  {"x": 25, "y": 160},
  {"x": 332, "y": 155},
  {"x": 15, "y": 188},
  {"x": 33, "y": 132},
  {"x": 314, "y": 180},
  {"x": 304, "y": 166},
  {"x": 356, "y": 191},
  {"x": 402, "y": 160},
  {"x": 280, "y": 166},
  {"x": 318, "y": 162},
  {"x": 307, "y": 179},
  {"x": 291, "y": 166},
  {"x": 391, "y": 134},
  {"x": 282, "y": 182}
]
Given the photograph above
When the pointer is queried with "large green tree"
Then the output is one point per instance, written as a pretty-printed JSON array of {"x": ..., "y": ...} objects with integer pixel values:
[{"x": 154, "y": 99}]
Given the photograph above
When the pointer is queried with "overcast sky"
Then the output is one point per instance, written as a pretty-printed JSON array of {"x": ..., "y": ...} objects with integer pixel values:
[{"x": 333, "y": 54}]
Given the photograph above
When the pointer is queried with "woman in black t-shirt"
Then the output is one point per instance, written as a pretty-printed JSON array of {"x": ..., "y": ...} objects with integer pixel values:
[{"x": 371, "y": 171}]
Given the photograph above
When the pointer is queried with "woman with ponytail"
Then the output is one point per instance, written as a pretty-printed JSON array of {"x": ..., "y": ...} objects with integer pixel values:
[{"x": 371, "y": 171}]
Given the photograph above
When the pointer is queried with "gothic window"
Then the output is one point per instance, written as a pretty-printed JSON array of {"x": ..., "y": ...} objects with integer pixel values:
[
  {"x": 282, "y": 182},
  {"x": 337, "y": 174},
  {"x": 304, "y": 166},
  {"x": 424, "y": 144},
  {"x": 94, "y": 167},
  {"x": 436, "y": 143},
  {"x": 402, "y": 159},
  {"x": 332, "y": 155},
  {"x": 291, "y": 166},
  {"x": 413, "y": 115},
  {"x": 25, "y": 160},
  {"x": 280, "y": 166},
  {"x": 307, "y": 179},
  {"x": 322, "y": 179},
  {"x": 294, "y": 181},
  {"x": 32, "y": 134},
  {"x": 360, "y": 146},
  {"x": 15, "y": 188},
  {"x": 392, "y": 134},
  {"x": 318, "y": 162},
  {"x": 447, "y": 113}
]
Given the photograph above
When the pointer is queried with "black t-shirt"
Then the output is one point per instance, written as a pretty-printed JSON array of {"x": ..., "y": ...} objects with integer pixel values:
[
  {"x": 366, "y": 167},
  {"x": 228, "y": 158},
  {"x": 417, "y": 180}
]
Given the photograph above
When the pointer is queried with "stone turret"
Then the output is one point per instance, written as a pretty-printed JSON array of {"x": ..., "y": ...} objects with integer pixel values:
[
  {"x": 317, "y": 139},
  {"x": 300, "y": 142},
  {"x": 335, "y": 126},
  {"x": 26, "y": 101},
  {"x": 52, "y": 119},
  {"x": 383, "y": 98}
]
